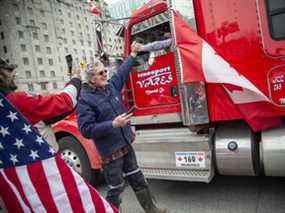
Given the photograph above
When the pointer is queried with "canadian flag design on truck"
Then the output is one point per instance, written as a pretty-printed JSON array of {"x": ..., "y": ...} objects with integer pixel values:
[{"x": 198, "y": 61}]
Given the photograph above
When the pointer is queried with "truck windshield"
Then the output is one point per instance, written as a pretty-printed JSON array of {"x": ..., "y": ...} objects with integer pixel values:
[{"x": 156, "y": 28}]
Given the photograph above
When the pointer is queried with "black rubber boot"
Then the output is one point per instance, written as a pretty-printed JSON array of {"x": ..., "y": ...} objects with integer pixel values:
[{"x": 145, "y": 199}]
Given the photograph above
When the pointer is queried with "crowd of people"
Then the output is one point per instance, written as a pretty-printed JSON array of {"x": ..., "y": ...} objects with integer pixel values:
[{"x": 101, "y": 116}]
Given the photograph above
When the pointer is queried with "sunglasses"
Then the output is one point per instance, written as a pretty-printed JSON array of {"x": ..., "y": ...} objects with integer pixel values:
[{"x": 103, "y": 72}]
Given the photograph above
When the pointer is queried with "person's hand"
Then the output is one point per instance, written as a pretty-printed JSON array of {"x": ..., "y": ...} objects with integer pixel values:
[
  {"x": 135, "y": 48},
  {"x": 122, "y": 120},
  {"x": 76, "y": 73}
]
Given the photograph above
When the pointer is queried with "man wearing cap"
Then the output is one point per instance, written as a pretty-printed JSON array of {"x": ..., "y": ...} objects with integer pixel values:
[
  {"x": 41, "y": 111},
  {"x": 102, "y": 117}
]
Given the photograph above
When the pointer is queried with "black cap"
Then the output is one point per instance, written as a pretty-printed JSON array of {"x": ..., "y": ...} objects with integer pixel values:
[{"x": 5, "y": 65}]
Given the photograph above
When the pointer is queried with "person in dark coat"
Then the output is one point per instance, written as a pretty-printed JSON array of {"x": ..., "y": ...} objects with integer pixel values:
[{"x": 102, "y": 117}]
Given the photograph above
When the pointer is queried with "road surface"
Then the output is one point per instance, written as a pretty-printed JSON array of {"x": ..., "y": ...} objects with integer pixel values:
[{"x": 222, "y": 195}]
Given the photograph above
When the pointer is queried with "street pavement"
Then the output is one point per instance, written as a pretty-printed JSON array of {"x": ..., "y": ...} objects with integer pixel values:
[{"x": 223, "y": 195}]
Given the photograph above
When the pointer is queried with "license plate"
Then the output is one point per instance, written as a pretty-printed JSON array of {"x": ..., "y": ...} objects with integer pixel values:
[{"x": 190, "y": 159}]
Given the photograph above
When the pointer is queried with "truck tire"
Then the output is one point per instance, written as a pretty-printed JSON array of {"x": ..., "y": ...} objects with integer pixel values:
[{"x": 74, "y": 155}]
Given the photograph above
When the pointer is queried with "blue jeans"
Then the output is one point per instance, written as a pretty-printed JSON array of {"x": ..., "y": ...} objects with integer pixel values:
[{"x": 116, "y": 170}]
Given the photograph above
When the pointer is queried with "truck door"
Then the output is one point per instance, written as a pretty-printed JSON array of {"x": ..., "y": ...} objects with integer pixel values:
[{"x": 154, "y": 82}]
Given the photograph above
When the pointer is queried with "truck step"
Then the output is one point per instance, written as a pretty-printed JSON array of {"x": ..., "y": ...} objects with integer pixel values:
[
  {"x": 180, "y": 175},
  {"x": 174, "y": 154}
]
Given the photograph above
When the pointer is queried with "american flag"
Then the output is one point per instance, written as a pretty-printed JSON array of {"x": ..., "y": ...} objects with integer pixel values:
[{"x": 35, "y": 179}]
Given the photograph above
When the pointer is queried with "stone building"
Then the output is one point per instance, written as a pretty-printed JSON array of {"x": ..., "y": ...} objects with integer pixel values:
[{"x": 38, "y": 34}]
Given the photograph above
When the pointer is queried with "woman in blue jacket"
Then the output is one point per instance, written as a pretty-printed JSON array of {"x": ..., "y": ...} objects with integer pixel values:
[{"x": 102, "y": 117}]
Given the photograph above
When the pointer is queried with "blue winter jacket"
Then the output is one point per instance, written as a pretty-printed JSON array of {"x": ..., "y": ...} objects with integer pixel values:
[{"x": 96, "y": 111}]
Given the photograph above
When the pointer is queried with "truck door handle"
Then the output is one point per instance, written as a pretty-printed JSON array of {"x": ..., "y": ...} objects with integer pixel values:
[{"x": 173, "y": 91}]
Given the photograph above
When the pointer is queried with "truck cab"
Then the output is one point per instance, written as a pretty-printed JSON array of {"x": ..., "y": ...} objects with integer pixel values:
[
  {"x": 213, "y": 101},
  {"x": 190, "y": 127}
]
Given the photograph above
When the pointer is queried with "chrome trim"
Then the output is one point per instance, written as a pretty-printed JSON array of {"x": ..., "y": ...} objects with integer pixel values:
[
  {"x": 155, "y": 150},
  {"x": 156, "y": 119},
  {"x": 272, "y": 150},
  {"x": 176, "y": 174},
  {"x": 240, "y": 161}
]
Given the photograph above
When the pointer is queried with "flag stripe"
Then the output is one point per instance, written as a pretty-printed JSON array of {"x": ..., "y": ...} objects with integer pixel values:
[
  {"x": 11, "y": 173},
  {"x": 178, "y": 52},
  {"x": 218, "y": 70},
  {"x": 41, "y": 185},
  {"x": 69, "y": 185},
  {"x": 107, "y": 206},
  {"x": 13, "y": 198},
  {"x": 29, "y": 189},
  {"x": 100, "y": 206},
  {"x": 190, "y": 61},
  {"x": 56, "y": 185},
  {"x": 84, "y": 192}
]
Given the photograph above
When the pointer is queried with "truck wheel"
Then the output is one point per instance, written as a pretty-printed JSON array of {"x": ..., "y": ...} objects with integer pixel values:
[{"x": 74, "y": 155}]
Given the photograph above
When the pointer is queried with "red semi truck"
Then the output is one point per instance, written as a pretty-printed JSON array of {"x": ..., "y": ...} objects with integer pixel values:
[{"x": 211, "y": 103}]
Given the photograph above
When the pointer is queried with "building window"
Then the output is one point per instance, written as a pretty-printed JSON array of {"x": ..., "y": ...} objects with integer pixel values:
[
  {"x": 72, "y": 32},
  {"x": 59, "y": 59},
  {"x": 23, "y": 48},
  {"x": 28, "y": 74},
  {"x": 30, "y": 87},
  {"x": 35, "y": 35},
  {"x": 66, "y": 50},
  {"x": 48, "y": 50},
  {"x": 70, "y": 23},
  {"x": 26, "y": 61},
  {"x": 16, "y": 7},
  {"x": 54, "y": 85},
  {"x": 75, "y": 51},
  {"x": 37, "y": 48},
  {"x": 5, "y": 49},
  {"x": 69, "y": 15},
  {"x": 42, "y": 13},
  {"x": 42, "y": 73},
  {"x": 43, "y": 85},
  {"x": 2, "y": 35},
  {"x": 40, "y": 61},
  {"x": 276, "y": 16},
  {"x": 21, "y": 34},
  {"x": 60, "y": 11},
  {"x": 79, "y": 26},
  {"x": 44, "y": 25},
  {"x": 30, "y": 10},
  {"x": 52, "y": 73},
  {"x": 89, "y": 43},
  {"x": 77, "y": 16},
  {"x": 73, "y": 41},
  {"x": 63, "y": 31},
  {"x": 81, "y": 42},
  {"x": 50, "y": 61},
  {"x": 32, "y": 22},
  {"x": 18, "y": 20},
  {"x": 65, "y": 40},
  {"x": 46, "y": 38},
  {"x": 87, "y": 28}
]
